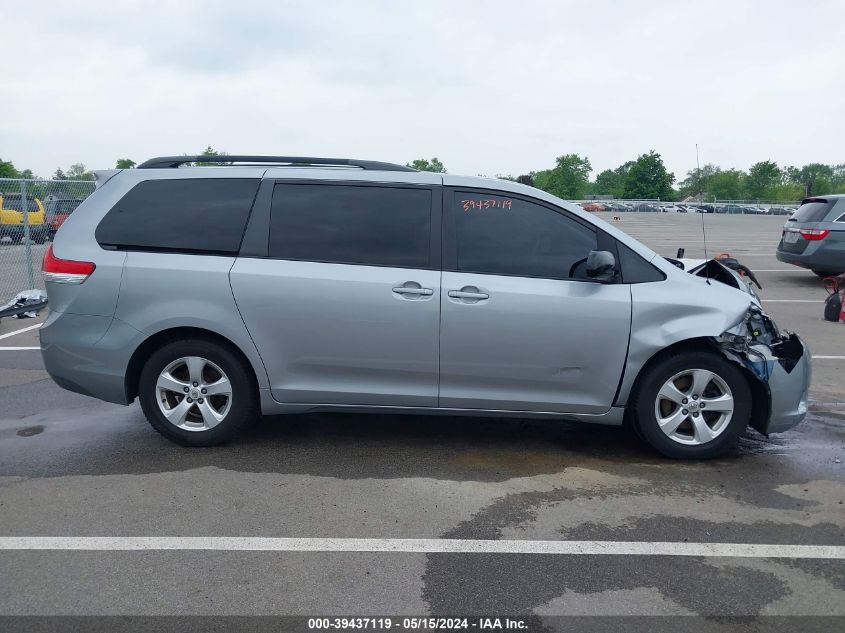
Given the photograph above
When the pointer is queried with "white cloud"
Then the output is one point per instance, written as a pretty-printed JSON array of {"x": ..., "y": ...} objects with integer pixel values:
[{"x": 488, "y": 87}]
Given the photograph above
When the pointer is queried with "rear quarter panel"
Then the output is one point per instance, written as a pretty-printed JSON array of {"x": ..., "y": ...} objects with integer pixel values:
[{"x": 162, "y": 291}]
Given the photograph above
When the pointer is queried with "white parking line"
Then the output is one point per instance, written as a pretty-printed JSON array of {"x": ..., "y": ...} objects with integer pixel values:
[
  {"x": 26, "y": 329},
  {"x": 828, "y": 357},
  {"x": 418, "y": 546},
  {"x": 794, "y": 300}
]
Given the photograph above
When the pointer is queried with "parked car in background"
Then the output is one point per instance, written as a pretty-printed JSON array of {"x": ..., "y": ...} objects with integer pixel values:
[
  {"x": 814, "y": 236},
  {"x": 12, "y": 225},
  {"x": 57, "y": 211},
  {"x": 309, "y": 284},
  {"x": 779, "y": 211},
  {"x": 593, "y": 207},
  {"x": 646, "y": 207},
  {"x": 671, "y": 208},
  {"x": 618, "y": 207}
]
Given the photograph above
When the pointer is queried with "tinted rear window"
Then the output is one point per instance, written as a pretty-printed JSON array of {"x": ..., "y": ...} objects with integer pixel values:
[
  {"x": 196, "y": 215},
  {"x": 813, "y": 211},
  {"x": 376, "y": 226}
]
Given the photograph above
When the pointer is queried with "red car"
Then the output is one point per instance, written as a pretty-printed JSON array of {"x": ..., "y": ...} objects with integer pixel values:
[
  {"x": 593, "y": 206},
  {"x": 57, "y": 212}
]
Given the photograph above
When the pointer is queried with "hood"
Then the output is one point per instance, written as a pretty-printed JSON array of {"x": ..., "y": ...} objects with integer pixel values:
[{"x": 727, "y": 271}]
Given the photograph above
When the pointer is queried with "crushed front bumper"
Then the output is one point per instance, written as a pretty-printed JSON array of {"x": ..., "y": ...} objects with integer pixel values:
[
  {"x": 788, "y": 385},
  {"x": 779, "y": 361}
]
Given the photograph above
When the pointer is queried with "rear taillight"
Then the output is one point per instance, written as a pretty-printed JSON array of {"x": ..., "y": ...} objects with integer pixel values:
[
  {"x": 814, "y": 234},
  {"x": 65, "y": 271}
]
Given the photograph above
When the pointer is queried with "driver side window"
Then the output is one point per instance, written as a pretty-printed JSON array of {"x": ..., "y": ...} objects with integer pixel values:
[{"x": 500, "y": 235}]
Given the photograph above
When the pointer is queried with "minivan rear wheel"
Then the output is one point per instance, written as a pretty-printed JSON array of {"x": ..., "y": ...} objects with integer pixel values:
[
  {"x": 197, "y": 392},
  {"x": 692, "y": 405}
]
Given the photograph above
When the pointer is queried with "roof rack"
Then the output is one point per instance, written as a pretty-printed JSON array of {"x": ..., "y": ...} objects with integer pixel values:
[{"x": 293, "y": 161}]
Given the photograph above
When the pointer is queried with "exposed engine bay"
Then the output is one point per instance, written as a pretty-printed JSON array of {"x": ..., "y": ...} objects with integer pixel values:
[{"x": 758, "y": 344}]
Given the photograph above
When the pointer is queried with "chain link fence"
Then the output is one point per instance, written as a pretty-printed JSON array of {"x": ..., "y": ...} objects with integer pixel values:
[
  {"x": 30, "y": 213},
  {"x": 731, "y": 207}
]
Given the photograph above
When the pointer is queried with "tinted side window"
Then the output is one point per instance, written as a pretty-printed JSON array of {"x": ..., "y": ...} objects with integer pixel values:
[
  {"x": 193, "y": 215},
  {"x": 500, "y": 235},
  {"x": 347, "y": 224},
  {"x": 636, "y": 270}
]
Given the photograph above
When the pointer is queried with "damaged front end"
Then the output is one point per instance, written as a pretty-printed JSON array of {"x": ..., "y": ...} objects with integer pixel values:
[{"x": 779, "y": 361}]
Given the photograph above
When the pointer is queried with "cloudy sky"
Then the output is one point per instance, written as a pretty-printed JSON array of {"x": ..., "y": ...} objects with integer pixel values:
[{"x": 492, "y": 87}]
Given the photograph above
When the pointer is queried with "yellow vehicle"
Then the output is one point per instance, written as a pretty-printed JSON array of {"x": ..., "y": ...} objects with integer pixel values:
[{"x": 12, "y": 220}]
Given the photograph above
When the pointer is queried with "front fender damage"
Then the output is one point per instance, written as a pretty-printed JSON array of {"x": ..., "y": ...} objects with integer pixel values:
[{"x": 778, "y": 361}]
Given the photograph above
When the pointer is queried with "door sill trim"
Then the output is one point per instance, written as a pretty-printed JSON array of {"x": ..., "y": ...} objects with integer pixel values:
[{"x": 612, "y": 416}]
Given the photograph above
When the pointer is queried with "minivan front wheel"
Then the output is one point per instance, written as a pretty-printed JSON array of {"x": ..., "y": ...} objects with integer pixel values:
[
  {"x": 197, "y": 393},
  {"x": 692, "y": 405}
]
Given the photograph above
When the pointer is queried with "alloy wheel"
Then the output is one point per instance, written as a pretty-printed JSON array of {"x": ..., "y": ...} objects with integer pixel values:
[
  {"x": 193, "y": 393},
  {"x": 694, "y": 406}
]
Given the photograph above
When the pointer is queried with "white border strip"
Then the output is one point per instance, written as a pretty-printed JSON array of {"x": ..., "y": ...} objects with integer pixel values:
[
  {"x": 26, "y": 329},
  {"x": 792, "y": 300},
  {"x": 16, "y": 349},
  {"x": 417, "y": 546}
]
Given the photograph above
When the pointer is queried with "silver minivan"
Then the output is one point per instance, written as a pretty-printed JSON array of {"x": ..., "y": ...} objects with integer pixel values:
[{"x": 273, "y": 285}]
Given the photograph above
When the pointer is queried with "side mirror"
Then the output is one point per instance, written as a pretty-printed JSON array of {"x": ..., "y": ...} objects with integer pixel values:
[{"x": 601, "y": 266}]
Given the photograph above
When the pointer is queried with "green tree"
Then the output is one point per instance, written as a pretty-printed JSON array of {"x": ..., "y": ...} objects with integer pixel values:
[
  {"x": 816, "y": 178},
  {"x": 787, "y": 192},
  {"x": 696, "y": 181},
  {"x": 421, "y": 164},
  {"x": 726, "y": 184},
  {"x": 77, "y": 171},
  {"x": 568, "y": 179},
  {"x": 647, "y": 178},
  {"x": 125, "y": 163},
  {"x": 762, "y": 179},
  {"x": 7, "y": 169},
  {"x": 611, "y": 182}
]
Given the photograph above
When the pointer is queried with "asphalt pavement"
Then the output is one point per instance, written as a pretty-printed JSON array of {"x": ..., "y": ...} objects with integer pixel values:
[{"x": 74, "y": 467}]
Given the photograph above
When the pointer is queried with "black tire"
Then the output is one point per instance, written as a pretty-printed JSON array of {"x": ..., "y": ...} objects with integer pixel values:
[
  {"x": 244, "y": 407},
  {"x": 643, "y": 403},
  {"x": 823, "y": 274}
]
